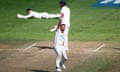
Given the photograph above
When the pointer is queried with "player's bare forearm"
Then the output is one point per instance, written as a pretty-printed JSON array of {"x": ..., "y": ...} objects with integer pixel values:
[
  {"x": 58, "y": 24},
  {"x": 62, "y": 28},
  {"x": 63, "y": 43}
]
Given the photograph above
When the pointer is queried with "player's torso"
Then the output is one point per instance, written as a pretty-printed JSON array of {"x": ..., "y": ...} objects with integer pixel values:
[
  {"x": 59, "y": 38},
  {"x": 66, "y": 18}
]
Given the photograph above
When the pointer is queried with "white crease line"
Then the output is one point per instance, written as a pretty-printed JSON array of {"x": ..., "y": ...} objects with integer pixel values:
[
  {"x": 30, "y": 46},
  {"x": 97, "y": 49}
]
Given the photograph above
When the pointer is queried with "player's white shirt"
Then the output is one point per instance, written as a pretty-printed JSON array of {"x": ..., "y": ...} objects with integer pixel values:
[
  {"x": 39, "y": 15},
  {"x": 59, "y": 39},
  {"x": 66, "y": 19}
]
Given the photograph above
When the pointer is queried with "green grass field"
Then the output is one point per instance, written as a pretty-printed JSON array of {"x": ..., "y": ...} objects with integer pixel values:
[
  {"x": 87, "y": 23},
  {"x": 100, "y": 62}
]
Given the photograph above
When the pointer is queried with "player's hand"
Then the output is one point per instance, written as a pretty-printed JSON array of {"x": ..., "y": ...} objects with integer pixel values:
[
  {"x": 20, "y": 16},
  {"x": 53, "y": 29}
]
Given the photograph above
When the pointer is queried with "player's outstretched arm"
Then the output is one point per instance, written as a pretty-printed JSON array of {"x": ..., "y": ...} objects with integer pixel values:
[{"x": 20, "y": 16}]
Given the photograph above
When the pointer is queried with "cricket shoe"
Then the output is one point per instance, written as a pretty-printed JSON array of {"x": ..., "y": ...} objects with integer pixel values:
[
  {"x": 63, "y": 66},
  {"x": 58, "y": 70}
]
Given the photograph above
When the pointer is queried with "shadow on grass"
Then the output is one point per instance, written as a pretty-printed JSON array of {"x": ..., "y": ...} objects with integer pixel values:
[
  {"x": 117, "y": 48},
  {"x": 43, "y": 47},
  {"x": 35, "y": 70}
]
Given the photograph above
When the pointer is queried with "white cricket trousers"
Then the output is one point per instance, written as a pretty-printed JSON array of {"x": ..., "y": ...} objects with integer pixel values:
[{"x": 61, "y": 56}]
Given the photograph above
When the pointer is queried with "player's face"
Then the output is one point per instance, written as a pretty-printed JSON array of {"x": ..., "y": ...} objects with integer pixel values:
[
  {"x": 29, "y": 11},
  {"x": 61, "y": 5}
]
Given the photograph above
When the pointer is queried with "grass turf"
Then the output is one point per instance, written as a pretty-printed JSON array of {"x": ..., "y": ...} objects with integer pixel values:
[
  {"x": 99, "y": 63},
  {"x": 87, "y": 23}
]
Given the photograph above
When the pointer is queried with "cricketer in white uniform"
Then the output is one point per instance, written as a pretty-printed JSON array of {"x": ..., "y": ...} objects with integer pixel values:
[
  {"x": 34, "y": 14},
  {"x": 61, "y": 37}
]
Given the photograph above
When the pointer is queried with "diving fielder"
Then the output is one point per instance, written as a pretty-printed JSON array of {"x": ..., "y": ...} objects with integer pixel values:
[
  {"x": 39, "y": 15},
  {"x": 61, "y": 37}
]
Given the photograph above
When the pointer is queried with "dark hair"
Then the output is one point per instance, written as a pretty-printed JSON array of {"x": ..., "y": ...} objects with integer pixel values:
[
  {"x": 28, "y": 9},
  {"x": 62, "y": 2}
]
